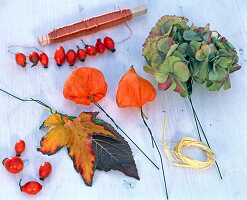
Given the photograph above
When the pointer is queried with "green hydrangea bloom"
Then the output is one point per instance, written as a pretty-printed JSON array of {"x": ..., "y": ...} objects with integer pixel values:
[{"x": 176, "y": 53}]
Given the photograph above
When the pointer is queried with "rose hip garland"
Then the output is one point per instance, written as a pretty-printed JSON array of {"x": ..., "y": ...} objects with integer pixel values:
[
  {"x": 60, "y": 55},
  {"x": 100, "y": 47},
  {"x": 34, "y": 57}
]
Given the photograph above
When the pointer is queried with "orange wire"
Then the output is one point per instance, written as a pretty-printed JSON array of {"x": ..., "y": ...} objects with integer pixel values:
[{"x": 130, "y": 30}]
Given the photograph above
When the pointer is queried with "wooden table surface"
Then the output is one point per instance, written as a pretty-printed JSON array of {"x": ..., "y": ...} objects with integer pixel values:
[{"x": 222, "y": 114}]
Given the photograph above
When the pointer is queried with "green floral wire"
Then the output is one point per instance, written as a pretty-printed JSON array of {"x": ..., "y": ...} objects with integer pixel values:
[
  {"x": 161, "y": 161},
  {"x": 63, "y": 115},
  {"x": 39, "y": 102},
  {"x": 199, "y": 123},
  {"x": 99, "y": 106}
]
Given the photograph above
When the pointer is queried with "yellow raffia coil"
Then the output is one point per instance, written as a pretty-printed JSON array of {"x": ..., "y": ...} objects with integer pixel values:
[{"x": 186, "y": 161}]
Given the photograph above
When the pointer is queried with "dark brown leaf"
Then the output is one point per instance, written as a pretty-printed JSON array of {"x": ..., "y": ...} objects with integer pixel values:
[{"x": 113, "y": 153}]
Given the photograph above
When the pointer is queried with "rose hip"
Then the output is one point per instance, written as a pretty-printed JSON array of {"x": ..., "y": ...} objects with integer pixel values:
[
  {"x": 109, "y": 44},
  {"x": 13, "y": 164},
  {"x": 90, "y": 49},
  {"x": 44, "y": 170},
  {"x": 32, "y": 187},
  {"x": 59, "y": 56},
  {"x": 20, "y": 59},
  {"x": 71, "y": 57},
  {"x": 81, "y": 54},
  {"x": 44, "y": 59},
  {"x": 100, "y": 46},
  {"x": 34, "y": 58},
  {"x": 19, "y": 147}
]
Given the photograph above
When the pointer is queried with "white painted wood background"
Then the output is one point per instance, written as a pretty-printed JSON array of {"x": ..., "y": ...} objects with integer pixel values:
[{"x": 223, "y": 113}]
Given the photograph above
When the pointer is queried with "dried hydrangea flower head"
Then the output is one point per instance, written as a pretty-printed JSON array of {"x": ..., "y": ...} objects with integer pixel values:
[{"x": 176, "y": 53}]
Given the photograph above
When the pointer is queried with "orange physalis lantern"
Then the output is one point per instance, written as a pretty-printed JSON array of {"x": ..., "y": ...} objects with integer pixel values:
[
  {"x": 83, "y": 84},
  {"x": 134, "y": 91}
]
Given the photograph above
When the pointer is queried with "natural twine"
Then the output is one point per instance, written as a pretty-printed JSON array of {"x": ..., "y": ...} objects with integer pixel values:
[{"x": 186, "y": 161}]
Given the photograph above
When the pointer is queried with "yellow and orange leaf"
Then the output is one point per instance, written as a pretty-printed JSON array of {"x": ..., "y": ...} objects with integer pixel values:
[{"x": 76, "y": 134}]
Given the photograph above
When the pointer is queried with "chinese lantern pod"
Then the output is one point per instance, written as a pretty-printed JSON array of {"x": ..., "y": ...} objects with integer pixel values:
[
  {"x": 134, "y": 91},
  {"x": 84, "y": 83}
]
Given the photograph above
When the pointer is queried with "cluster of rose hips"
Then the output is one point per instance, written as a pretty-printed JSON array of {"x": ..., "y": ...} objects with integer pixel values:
[
  {"x": 70, "y": 56},
  {"x": 15, "y": 164},
  {"x": 81, "y": 54},
  {"x": 34, "y": 58}
]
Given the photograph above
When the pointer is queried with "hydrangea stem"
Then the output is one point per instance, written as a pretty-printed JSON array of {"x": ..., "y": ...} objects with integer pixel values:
[
  {"x": 198, "y": 124},
  {"x": 153, "y": 140}
]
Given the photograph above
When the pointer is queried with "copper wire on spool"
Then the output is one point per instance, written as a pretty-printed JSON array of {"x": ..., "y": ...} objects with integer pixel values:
[{"x": 91, "y": 25}]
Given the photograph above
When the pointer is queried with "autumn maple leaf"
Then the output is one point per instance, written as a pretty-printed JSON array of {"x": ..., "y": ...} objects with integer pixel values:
[
  {"x": 76, "y": 134},
  {"x": 80, "y": 136}
]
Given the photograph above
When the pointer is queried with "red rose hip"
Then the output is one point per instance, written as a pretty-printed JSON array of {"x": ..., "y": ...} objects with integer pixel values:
[
  {"x": 71, "y": 57},
  {"x": 44, "y": 59},
  {"x": 32, "y": 187},
  {"x": 91, "y": 50},
  {"x": 59, "y": 56},
  {"x": 34, "y": 58},
  {"x": 20, "y": 59},
  {"x": 13, "y": 164},
  {"x": 100, "y": 46},
  {"x": 19, "y": 147},
  {"x": 81, "y": 54},
  {"x": 109, "y": 44},
  {"x": 45, "y": 170}
]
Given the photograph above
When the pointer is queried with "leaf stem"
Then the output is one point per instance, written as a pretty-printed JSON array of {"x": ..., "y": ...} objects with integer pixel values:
[
  {"x": 98, "y": 105},
  {"x": 161, "y": 161},
  {"x": 144, "y": 114},
  {"x": 199, "y": 123},
  {"x": 150, "y": 132}
]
